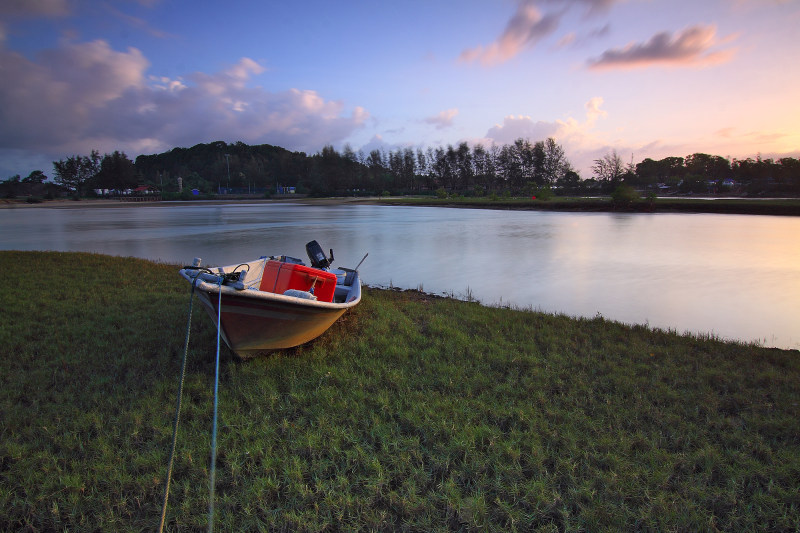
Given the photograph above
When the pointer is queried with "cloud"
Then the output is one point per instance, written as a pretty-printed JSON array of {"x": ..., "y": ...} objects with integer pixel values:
[
  {"x": 10, "y": 9},
  {"x": 750, "y": 138},
  {"x": 526, "y": 27},
  {"x": 584, "y": 140},
  {"x": 593, "y": 111},
  {"x": 529, "y": 24},
  {"x": 376, "y": 143},
  {"x": 87, "y": 95},
  {"x": 690, "y": 47},
  {"x": 137, "y": 22},
  {"x": 593, "y": 7},
  {"x": 442, "y": 120},
  {"x": 598, "y": 6},
  {"x": 50, "y": 101},
  {"x": 573, "y": 130},
  {"x": 577, "y": 136},
  {"x": 573, "y": 39},
  {"x": 521, "y": 126}
]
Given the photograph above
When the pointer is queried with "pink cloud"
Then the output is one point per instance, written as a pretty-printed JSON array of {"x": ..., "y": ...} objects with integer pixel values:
[
  {"x": 593, "y": 111},
  {"x": 83, "y": 96},
  {"x": 526, "y": 27},
  {"x": 690, "y": 47},
  {"x": 576, "y": 135},
  {"x": 521, "y": 126},
  {"x": 443, "y": 119},
  {"x": 49, "y": 101}
]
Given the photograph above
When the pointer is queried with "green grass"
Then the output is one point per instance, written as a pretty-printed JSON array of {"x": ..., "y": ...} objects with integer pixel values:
[
  {"x": 788, "y": 206},
  {"x": 412, "y": 413}
]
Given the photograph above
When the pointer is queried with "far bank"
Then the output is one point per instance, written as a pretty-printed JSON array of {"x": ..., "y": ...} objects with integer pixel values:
[
  {"x": 738, "y": 206},
  {"x": 732, "y": 206}
]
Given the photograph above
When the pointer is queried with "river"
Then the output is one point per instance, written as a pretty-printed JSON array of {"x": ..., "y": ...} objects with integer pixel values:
[{"x": 732, "y": 276}]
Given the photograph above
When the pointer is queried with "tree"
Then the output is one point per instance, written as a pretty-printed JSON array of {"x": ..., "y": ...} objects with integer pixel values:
[
  {"x": 484, "y": 168},
  {"x": 669, "y": 170},
  {"x": 539, "y": 157},
  {"x": 570, "y": 183},
  {"x": 440, "y": 167},
  {"x": 464, "y": 166},
  {"x": 610, "y": 168},
  {"x": 409, "y": 167},
  {"x": 9, "y": 188},
  {"x": 331, "y": 167},
  {"x": 711, "y": 167},
  {"x": 37, "y": 176},
  {"x": 116, "y": 172},
  {"x": 508, "y": 167},
  {"x": 75, "y": 171},
  {"x": 556, "y": 164},
  {"x": 525, "y": 154}
]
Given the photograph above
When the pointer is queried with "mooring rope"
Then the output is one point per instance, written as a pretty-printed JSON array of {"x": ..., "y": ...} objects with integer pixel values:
[
  {"x": 177, "y": 410},
  {"x": 214, "y": 428}
]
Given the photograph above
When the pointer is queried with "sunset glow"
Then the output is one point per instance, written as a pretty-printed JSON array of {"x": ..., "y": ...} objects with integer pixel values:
[{"x": 648, "y": 78}]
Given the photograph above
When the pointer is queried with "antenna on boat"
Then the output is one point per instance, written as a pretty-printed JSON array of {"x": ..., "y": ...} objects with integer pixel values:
[{"x": 362, "y": 260}]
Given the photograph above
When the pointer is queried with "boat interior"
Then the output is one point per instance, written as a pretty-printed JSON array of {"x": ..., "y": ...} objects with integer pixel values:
[{"x": 251, "y": 276}]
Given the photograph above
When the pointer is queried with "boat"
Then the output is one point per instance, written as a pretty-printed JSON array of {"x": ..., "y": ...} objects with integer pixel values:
[{"x": 275, "y": 302}]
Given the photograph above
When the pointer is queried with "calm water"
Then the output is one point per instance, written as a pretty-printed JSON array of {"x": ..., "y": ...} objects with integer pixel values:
[{"x": 734, "y": 276}]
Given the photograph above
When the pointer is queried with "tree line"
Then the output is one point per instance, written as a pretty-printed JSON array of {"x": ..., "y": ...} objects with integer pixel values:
[
  {"x": 702, "y": 173},
  {"x": 520, "y": 168}
]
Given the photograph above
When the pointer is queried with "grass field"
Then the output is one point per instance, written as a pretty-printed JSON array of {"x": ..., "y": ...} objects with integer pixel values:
[{"x": 412, "y": 413}]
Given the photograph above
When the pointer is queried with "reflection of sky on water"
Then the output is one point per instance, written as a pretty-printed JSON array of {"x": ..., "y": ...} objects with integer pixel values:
[{"x": 736, "y": 276}]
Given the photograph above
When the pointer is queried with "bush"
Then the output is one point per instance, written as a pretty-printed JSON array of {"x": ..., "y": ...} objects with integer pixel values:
[
  {"x": 441, "y": 193},
  {"x": 545, "y": 193},
  {"x": 624, "y": 195}
]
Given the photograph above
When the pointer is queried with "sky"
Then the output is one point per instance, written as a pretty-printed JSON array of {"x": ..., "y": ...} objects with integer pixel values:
[{"x": 647, "y": 78}]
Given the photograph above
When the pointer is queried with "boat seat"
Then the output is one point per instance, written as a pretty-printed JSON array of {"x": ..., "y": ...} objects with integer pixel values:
[{"x": 341, "y": 293}]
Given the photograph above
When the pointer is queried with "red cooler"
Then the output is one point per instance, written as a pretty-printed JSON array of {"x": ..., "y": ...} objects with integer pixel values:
[{"x": 279, "y": 277}]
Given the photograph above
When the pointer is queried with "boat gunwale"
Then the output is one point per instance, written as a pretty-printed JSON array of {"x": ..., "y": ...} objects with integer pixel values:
[{"x": 214, "y": 288}]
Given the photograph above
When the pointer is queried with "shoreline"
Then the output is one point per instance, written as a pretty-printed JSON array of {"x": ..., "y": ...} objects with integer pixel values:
[
  {"x": 65, "y": 203},
  {"x": 688, "y": 205}
]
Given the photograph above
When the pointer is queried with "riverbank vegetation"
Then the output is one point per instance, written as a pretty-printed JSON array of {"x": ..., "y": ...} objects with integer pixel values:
[
  {"x": 413, "y": 412},
  {"x": 625, "y": 203},
  {"x": 517, "y": 169}
]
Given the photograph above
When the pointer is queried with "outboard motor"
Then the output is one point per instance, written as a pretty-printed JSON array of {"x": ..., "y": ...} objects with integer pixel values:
[{"x": 317, "y": 256}]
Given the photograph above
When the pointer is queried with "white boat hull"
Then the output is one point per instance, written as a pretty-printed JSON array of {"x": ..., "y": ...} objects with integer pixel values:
[{"x": 255, "y": 321}]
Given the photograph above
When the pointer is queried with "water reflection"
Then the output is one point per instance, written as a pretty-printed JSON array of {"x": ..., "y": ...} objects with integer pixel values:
[{"x": 734, "y": 276}]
